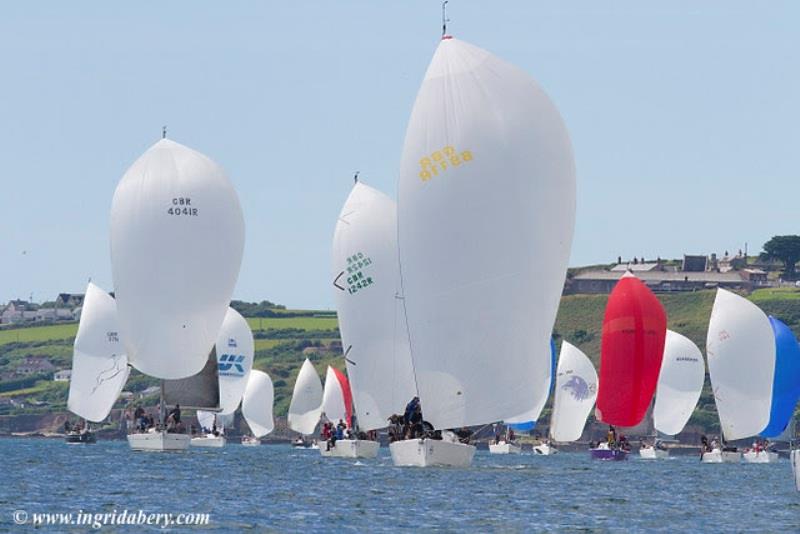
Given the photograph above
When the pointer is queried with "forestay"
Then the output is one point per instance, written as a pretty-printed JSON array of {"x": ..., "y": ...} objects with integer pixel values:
[
  {"x": 680, "y": 383},
  {"x": 257, "y": 401},
  {"x": 740, "y": 348},
  {"x": 99, "y": 364},
  {"x": 337, "y": 400},
  {"x": 786, "y": 381},
  {"x": 306, "y": 402},
  {"x": 486, "y": 215},
  {"x": 576, "y": 391},
  {"x": 366, "y": 284},
  {"x": 235, "y": 359},
  {"x": 632, "y": 348},
  {"x": 177, "y": 235}
]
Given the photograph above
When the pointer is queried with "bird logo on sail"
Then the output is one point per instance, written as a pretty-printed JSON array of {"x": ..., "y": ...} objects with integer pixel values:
[
  {"x": 231, "y": 365},
  {"x": 579, "y": 388}
]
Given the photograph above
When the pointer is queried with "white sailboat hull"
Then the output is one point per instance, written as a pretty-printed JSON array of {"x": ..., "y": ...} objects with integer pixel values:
[
  {"x": 351, "y": 448},
  {"x": 651, "y": 453},
  {"x": 795, "y": 458},
  {"x": 209, "y": 441},
  {"x": 159, "y": 441},
  {"x": 760, "y": 457},
  {"x": 431, "y": 452},
  {"x": 544, "y": 449},
  {"x": 722, "y": 457},
  {"x": 251, "y": 442},
  {"x": 504, "y": 448}
]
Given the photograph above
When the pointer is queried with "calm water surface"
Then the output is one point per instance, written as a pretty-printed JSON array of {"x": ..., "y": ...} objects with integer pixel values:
[{"x": 276, "y": 488}]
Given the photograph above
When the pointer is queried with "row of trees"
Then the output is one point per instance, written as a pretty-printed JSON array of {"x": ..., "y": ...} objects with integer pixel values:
[{"x": 786, "y": 249}]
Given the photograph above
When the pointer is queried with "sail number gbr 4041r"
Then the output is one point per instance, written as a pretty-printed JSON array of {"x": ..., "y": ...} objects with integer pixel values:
[
  {"x": 182, "y": 206},
  {"x": 439, "y": 161}
]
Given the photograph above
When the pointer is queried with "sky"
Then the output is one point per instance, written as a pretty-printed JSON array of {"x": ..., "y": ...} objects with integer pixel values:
[{"x": 684, "y": 117}]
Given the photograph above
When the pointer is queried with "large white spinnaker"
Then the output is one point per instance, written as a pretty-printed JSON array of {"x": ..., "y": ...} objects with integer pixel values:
[
  {"x": 257, "y": 401},
  {"x": 680, "y": 383},
  {"x": 486, "y": 214},
  {"x": 99, "y": 364},
  {"x": 366, "y": 286},
  {"x": 177, "y": 236},
  {"x": 235, "y": 347},
  {"x": 740, "y": 348},
  {"x": 306, "y": 403},
  {"x": 575, "y": 393}
]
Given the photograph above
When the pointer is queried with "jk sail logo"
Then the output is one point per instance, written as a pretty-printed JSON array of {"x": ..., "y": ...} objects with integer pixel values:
[{"x": 231, "y": 365}]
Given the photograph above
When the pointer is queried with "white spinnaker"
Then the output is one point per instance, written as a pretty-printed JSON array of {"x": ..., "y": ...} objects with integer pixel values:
[
  {"x": 680, "y": 383},
  {"x": 540, "y": 400},
  {"x": 740, "y": 348},
  {"x": 486, "y": 213},
  {"x": 575, "y": 394},
  {"x": 235, "y": 347},
  {"x": 367, "y": 282},
  {"x": 206, "y": 420},
  {"x": 177, "y": 235},
  {"x": 257, "y": 401},
  {"x": 99, "y": 365},
  {"x": 333, "y": 406},
  {"x": 306, "y": 402}
]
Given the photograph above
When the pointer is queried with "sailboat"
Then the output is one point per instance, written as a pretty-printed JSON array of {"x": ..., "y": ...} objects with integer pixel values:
[
  {"x": 99, "y": 363},
  {"x": 177, "y": 236},
  {"x": 680, "y": 383},
  {"x": 257, "y": 400},
  {"x": 366, "y": 282},
  {"x": 337, "y": 407},
  {"x": 632, "y": 349},
  {"x": 485, "y": 221},
  {"x": 234, "y": 350},
  {"x": 740, "y": 347},
  {"x": 785, "y": 392},
  {"x": 575, "y": 394},
  {"x": 306, "y": 403}
]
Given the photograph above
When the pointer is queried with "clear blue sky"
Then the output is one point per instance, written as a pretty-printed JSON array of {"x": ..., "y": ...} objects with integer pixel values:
[{"x": 685, "y": 118}]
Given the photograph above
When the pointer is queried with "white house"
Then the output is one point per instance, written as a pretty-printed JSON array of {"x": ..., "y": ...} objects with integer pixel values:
[{"x": 63, "y": 375}]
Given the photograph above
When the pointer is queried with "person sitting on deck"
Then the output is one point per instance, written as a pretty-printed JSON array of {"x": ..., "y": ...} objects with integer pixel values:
[
  {"x": 511, "y": 435},
  {"x": 611, "y": 437},
  {"x": 340, "y": 430},
  {"x": 497, "y": 436},
  {"x": 411, "y": 408}
]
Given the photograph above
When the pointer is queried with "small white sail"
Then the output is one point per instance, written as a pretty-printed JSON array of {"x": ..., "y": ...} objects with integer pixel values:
[
  {"x": 741, "y": 364},
  {"x": 486, "y": 213},
  {"x": 306, "y": 402},
  {"x": 680, "y": 383},
  {"x": 235, "y": 347},
  {"x": 366, "y": 285},
  {"x": 206, "y": 420},
  {"x": 257, "y": 401},
  {"x": 575, "y": 394},
  {"x": 177, "y": 235},
  {"x": 99, "y": 365},
  {"x": 333, "y": 398}
]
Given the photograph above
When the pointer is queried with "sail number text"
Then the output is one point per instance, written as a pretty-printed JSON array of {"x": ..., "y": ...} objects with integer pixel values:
[
  {"x": 182, "y": 206},
  {"x": 439, "y": 161}
]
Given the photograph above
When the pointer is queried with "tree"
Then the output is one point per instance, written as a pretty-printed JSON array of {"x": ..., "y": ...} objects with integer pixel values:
[{"x": 785, "y": 248}]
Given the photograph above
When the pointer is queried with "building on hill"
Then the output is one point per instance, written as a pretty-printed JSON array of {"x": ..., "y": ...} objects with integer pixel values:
[
  {"x": 64, "y": 375},
  {"x": 35, "y": 365},
  {"x": 660, "y": 281},
  {"x": 69, "y": 300},
  {"x": 18, "y": 311},
  {"x": 694, "y": 264}
]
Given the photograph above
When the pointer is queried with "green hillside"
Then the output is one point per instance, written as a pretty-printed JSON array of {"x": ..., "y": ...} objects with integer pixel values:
[{"x": 284, "y": 340}]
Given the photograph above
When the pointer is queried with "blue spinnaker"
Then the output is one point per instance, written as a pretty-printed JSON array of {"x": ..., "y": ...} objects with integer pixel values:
[
  {"x": 530, "y": 425},
  {"x": 786, "y": 383}
]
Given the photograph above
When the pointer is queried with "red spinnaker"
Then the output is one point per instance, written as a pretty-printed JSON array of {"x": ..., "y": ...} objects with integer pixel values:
[
  {"x": 634, "y": 328},
  {"x": 347, "y": 394}
]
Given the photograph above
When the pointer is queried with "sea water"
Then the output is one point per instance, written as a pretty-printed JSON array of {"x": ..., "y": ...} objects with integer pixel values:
[{"x": 278, "y": 488}]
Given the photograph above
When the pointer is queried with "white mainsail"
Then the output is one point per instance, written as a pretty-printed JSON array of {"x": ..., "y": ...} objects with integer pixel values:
[
  {"x": 680, "y": 383},
  {"x": 306, "y": 403},
  {"x": 486, "y": 214},
  {"x": 367, "y": 282},
  {"x": 208, "y": 421},
  {"x": 333, "y": 404},
  {"x": 235, "y": 347},
  {"x": 741, "y": 364},
  {"x": 575, "y": 393},
  {"x": 257, "y": 401},
  {"x": 99, "y": 365},
  {"x": 177, "y": 235}
]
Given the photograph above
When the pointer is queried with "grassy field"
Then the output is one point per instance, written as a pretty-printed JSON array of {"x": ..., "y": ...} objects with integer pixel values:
[{"x": 38, "y": 333}]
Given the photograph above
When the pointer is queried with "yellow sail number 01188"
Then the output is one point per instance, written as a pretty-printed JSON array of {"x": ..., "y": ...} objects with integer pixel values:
[{"x": 439, "y": 161}]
